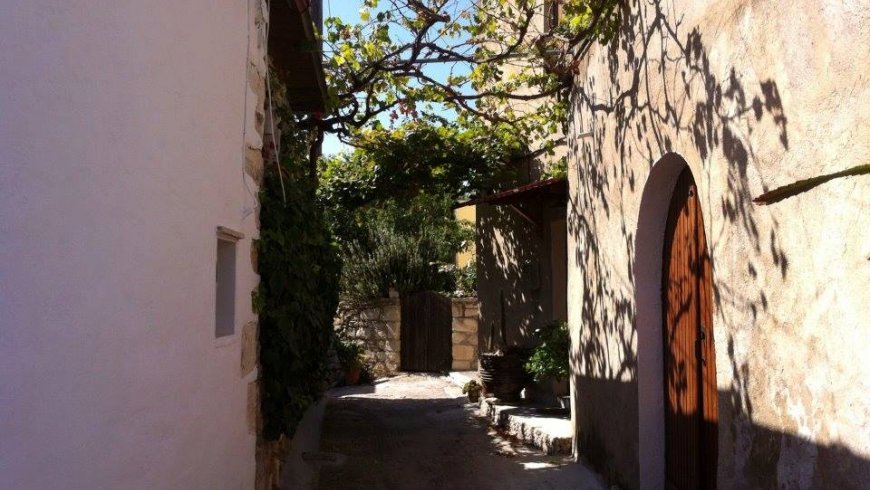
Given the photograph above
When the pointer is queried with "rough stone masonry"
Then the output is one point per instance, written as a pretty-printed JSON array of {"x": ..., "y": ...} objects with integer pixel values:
[{"x": 377, "y": 328}]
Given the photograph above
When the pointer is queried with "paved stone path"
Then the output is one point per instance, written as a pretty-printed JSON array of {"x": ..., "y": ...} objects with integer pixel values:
[{"x": 415, "y": 432}]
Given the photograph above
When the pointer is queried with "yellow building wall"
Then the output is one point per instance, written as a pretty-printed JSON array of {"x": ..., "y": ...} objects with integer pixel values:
[{"x": 467, "y": 213}]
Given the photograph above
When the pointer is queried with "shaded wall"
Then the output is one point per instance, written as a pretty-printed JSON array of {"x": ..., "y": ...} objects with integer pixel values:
[
  {"x": 508, "y": 277},
  {"x": 751, "y": 96},
  {"x": 524, "y": 264}
]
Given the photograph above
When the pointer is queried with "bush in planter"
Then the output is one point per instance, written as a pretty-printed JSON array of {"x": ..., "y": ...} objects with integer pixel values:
[
  {"x": 549, "y": 360},
  {"x": 472, "y": 389},
  {"x": 350, "y": 356}
]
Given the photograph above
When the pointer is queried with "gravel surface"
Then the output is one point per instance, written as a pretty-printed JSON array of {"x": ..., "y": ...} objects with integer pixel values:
[{"x": 416, "y": 432}]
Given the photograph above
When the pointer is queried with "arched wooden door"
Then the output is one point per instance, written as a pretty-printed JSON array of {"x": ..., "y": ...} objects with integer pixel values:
[{"x": 691, "y": 403}]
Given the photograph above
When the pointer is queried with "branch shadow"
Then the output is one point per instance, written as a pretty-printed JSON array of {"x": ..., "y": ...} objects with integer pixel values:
[
  {"x": 659, "y": 86},
  {"x": 514, "y": 276}
]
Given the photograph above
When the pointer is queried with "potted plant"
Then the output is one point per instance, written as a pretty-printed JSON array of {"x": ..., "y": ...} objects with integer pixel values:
[
  {"x": 549, "y": 360},
  {"x": 352, "y": 361},
  {"x": 472, "y": 389},
  {"x": 502, "y": 371}
]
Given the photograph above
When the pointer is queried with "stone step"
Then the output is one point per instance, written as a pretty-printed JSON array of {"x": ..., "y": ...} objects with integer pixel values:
[{"x": 549, "y": 433}]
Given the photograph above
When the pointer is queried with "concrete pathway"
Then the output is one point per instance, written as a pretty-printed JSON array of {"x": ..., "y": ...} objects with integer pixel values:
[{"x": 416, "y": 432}]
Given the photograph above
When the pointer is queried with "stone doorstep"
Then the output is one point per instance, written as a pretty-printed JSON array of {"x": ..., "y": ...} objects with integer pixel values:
[{"x": 551, "y": 434}]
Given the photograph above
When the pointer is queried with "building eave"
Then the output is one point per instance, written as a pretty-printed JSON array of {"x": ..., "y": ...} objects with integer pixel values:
[
  {"x": 296, "y": 53},
  {"x": 555, "y": 189}
]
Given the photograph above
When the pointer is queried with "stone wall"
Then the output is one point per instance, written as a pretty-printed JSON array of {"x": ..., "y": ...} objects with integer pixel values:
[
  {"x": 466, "y": 312},
  {"x": 377, "y": 328}
]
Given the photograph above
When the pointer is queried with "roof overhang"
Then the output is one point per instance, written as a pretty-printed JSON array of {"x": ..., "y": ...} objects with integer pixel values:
[
  {"x": 553, "y": 190},
  {"x": 296, "y": 51}
]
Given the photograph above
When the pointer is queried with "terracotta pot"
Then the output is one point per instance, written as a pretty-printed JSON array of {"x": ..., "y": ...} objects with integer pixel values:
[
  {"x": 504, "y": 375},
  {"x": 351, "y": 376}
]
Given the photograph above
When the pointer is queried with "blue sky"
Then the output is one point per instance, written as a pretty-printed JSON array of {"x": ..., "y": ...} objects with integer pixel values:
[{"x": 348, "y": 11}]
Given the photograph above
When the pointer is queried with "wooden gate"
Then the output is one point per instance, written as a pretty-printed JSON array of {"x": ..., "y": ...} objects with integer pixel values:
[
  {"x": 426, "y": 332},
  {"x": 691, "y": 403}
]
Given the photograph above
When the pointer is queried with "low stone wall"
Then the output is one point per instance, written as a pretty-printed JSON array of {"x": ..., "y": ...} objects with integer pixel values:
[
  {"x": 465, "y": 320},
  {"x": 377, "y": 328}
]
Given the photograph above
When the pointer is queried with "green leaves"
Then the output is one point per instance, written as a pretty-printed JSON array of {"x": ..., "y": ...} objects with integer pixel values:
[
  {"x": 418, "y": 157},
  {"x": 298, "y": 292},
  {"x": 390, "y": 202},
  {"x": 549, "y": 360},
  {"x": 486, "y": 61}
]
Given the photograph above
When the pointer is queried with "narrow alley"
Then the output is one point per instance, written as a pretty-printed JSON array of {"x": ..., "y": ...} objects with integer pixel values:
[{"x": 418, "y": 432}]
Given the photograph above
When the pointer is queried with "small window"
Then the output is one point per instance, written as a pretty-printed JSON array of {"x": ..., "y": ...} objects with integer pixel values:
[{"x": 225, "y": 283}]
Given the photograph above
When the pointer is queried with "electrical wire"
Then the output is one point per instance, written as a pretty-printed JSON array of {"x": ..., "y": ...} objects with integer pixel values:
[{"x": 274, "y": 138}]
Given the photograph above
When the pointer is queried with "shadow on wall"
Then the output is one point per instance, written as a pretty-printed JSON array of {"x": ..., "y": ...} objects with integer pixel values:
[
  {"x": 510, "y": 277},
  {"x": 659, "y": 86},
  {"x": 775, "y": 459}
]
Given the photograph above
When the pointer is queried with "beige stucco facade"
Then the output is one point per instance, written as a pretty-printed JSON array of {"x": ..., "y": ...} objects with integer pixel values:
[{"x": 751, "y": 95}]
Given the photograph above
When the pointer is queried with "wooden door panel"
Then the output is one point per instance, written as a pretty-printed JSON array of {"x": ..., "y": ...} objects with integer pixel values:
[
  {"x": 426, "y": 332},
  {"x": 689, "y": 359}
]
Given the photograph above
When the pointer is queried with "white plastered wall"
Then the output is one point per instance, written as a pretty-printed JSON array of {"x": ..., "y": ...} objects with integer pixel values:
[{"x": 121, "y": 151}]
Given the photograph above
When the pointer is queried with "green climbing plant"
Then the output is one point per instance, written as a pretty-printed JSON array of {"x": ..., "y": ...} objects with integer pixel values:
[{"x": 298, "y": 293}]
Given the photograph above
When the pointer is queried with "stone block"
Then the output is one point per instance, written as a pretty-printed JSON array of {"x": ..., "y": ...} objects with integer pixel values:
[
  {"x": 459, "y": 338},
  {"x": 370, "y": 314},
  {"x": 379, "y": 370},
  {"x": 392, "y": 362},
  {"x": 463, "y": 352},
  {"x": 393, "y": 329},
  {"x": 253, "y": 407},
  {"x": 457, "y": 308},
  {"x": 249, "y": 348},
  {"x": 255, "y": 264},
  {"x": 468, "y": 325},
  {"x": 254, "y": 164},
  {"x": 391, "y": 313},
  {"x": 460, "y": 365}
]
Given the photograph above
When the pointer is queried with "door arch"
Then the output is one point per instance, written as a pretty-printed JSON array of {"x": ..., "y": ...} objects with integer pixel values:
[
  {"x": 689, "y": 360},
  {"x": 648, "y": 278}
]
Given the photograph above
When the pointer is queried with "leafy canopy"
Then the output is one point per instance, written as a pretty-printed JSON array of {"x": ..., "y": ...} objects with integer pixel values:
[{"x": 472, "y": 62}]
